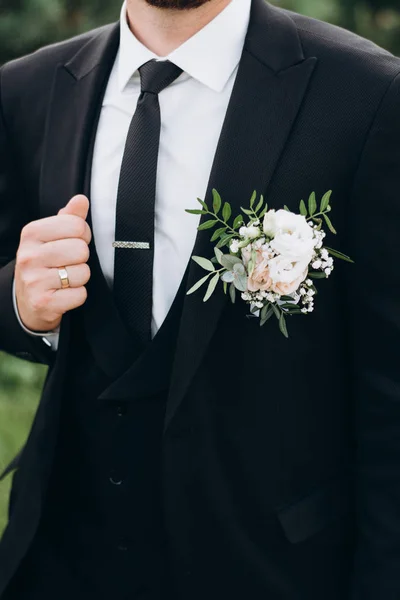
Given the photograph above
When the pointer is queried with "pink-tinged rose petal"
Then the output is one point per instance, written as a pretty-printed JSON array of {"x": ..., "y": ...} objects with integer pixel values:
[{"x": 260, "y": 279}]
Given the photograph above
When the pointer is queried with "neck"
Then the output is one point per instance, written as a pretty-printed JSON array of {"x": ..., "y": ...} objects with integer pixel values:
[{"x": 162, "y": 30}]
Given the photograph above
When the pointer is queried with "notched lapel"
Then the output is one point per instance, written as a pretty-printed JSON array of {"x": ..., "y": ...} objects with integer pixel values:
[
  {"x": 77, "y": 87},
  {"x": 270, "y": 86}
]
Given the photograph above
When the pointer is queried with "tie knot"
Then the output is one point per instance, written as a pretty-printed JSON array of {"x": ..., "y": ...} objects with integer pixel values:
[{"x": 156, "y": 75}]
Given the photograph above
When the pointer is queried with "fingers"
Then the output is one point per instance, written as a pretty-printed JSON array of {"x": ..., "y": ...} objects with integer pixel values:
[
  {"x": 57, "y": 228},
  {"x": 68, "y": 299},
  {"x": 78, "y": 206},
  {"x": 78, "y": 276},
  {"x": 62, "y": 252}
]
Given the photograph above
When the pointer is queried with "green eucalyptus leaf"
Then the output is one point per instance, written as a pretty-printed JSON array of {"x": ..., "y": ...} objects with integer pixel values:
[
  {"x": 266, "y": 316},
  {"x": 264, "y": 210},
  {"x": 217, "y": 233},
  {"x": 211, "y": 287},
  {"x": 229, "y": 261},
  {"x": 259, "y": 205},
  {"x": 232, "y": 293},
  {"x": 237, "y": 222},
  {"x": 204, "y": 205},
  {"x": 228, "y": 276},
  {"x": 329, "y": 223},
  {"x": 218, "y": 255},
  {"x": 282, "y": 325},
  {"x": 225, "y": 284},
  {"x": 195, "y": 211},
  {"x": 303, "y": 208},
  {"x": 240, "y": 282},
  {"x": 286, "y": 208},
  {"x": 276, "y": 310},
  {"x": 246, "y": 211},
  {"x": 197, "y": 285},
  {"x": 253, "y": 198},
  {"x": 207, "y": 225},
  {"x": 312, "y": 204},
  {"x": 339, "y": 255},
  {"x": 226, "y": 212},
  {"x": 204, "y": 263},
  {"x": 316, "y": 275},
  {"x": 216, "y": 201},
  {"x": 224, "y": 241},
  {"x": 325, "y": 201}
]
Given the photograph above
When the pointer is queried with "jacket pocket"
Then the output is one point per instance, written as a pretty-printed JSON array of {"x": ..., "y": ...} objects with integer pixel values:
[{"x": 311, "y": 514}]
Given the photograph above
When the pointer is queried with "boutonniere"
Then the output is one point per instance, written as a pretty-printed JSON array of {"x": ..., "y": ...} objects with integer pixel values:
[{"x": 274, "y": 257}]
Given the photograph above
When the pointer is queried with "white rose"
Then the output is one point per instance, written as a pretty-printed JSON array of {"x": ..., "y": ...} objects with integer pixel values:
[
  {"x": 269, "y": 225},
  {"x": 286, "y": 222},
  {"x": 250, "y": 232},
  {"x": 294, "y": 237},
  {"x": 283, "y": 270},
  {"x": 293, "y": 247}
]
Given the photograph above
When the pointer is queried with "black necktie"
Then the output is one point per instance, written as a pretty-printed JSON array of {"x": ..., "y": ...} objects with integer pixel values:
[{"x": 134, "y": 232}]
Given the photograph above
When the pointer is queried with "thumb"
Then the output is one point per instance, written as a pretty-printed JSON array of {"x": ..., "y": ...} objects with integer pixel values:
[{"x": 78, "y": 206}]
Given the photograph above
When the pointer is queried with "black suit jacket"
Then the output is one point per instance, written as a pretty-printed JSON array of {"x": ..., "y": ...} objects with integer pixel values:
[{"x": 281, "y": 458}]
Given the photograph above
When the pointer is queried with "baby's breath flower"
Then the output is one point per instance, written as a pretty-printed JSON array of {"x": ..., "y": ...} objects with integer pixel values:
[{"x": 234, "y": 247}]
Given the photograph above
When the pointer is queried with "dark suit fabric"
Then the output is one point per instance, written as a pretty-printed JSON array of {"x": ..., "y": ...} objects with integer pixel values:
[{"x": 279, "y": 459}]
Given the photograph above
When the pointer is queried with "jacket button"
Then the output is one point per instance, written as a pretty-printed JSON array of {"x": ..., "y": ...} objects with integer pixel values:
[
  {"x": 116, "y": 481},
  {"x": 122, "y": 546},
  {"x": 121, "y": 410}
]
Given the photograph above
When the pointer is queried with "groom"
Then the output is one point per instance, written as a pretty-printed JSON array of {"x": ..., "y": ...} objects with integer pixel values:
[{"x": 180, "y": 451}]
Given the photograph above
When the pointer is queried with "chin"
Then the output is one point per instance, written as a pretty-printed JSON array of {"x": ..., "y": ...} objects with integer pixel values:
[{"x": 177, "y": 4}]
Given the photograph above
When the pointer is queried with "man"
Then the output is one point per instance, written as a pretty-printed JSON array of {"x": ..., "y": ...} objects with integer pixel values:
[{"x": 180, "y": 450}]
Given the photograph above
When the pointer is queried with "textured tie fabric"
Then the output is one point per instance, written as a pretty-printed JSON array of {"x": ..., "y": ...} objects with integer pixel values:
[{"x": 134, "y": 232}]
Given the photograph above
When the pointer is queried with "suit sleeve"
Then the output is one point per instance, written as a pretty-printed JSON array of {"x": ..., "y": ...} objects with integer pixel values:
[
  {"x": 374, "y": 325},
  {"x": 15, "y": 212}
]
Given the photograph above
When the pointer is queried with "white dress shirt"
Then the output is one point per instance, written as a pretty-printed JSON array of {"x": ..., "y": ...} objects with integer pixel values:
[{"x": 193, "y": 109}]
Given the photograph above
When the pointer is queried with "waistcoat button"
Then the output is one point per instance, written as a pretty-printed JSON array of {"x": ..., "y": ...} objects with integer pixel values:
[
  {"x": 116, "y": 481},
  {"x": 121, "y": 410}
]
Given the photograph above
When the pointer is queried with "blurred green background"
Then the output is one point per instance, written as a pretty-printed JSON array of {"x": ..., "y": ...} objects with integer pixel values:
[{"x": 28, "y": 24}]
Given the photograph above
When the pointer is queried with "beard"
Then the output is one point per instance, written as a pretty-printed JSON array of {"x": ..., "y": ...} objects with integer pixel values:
[{"x": 177, "y": 4}]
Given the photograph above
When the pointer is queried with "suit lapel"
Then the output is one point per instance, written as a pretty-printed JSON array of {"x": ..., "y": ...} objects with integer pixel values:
[
  {"x": 271, "y": 82},
  {"x": 78, "y": 89}
]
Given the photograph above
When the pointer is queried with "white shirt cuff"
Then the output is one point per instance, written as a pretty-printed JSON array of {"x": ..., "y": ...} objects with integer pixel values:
[{"x": 50, "y": 338}]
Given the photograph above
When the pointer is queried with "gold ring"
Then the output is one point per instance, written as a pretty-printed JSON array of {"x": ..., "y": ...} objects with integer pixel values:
[{"x": 63, "y": 273}]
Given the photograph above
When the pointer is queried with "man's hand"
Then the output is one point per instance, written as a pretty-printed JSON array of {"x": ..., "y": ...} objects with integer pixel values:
[{"x": 47, "y": 245}]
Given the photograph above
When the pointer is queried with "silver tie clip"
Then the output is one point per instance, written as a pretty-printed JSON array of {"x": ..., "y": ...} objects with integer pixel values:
[{"x": 134, "y": 245}]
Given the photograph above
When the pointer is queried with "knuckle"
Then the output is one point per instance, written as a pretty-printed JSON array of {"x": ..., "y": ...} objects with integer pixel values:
[
  {"x": 79, "y": 227},
  {"x": 40, "y": 302},
  {"x": 81, "y": 296},
  {"x": 83, "y": 251},
  {"x": 29, "y": 231},
  {"x": 86, "y": 272},
  {"x": 24, "y": 257},
  {"x": 28, "y": 278}
]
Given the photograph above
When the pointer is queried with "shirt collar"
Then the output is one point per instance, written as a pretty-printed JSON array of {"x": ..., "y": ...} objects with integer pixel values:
[{"x": 210, "y": 56}]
